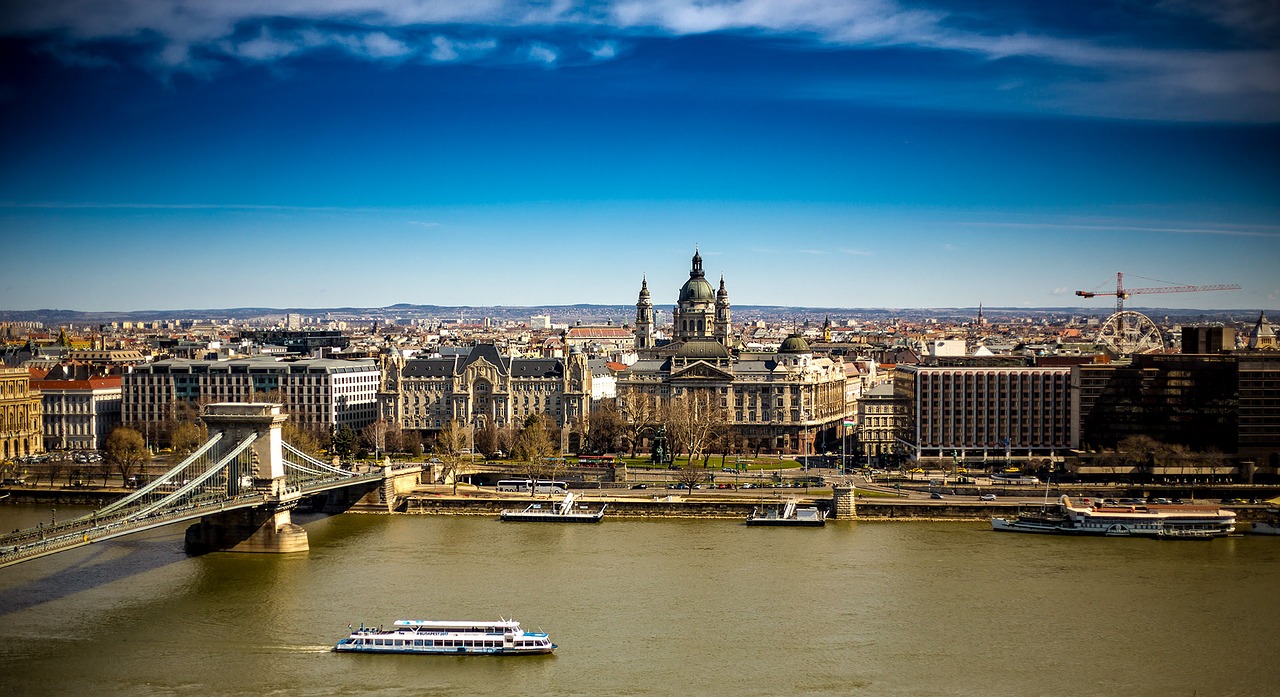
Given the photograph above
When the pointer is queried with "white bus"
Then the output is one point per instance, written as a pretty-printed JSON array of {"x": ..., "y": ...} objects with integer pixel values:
[{"x": 543, "y": 486}]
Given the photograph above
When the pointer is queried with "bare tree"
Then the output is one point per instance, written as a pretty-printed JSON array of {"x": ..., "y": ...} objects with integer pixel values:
[
  {"x": 607, "y": 428},
  {"x": 695, "y": 422},
  {"x": 534, "y": 448},
  {"x": 126, "y": 450},
  {"x": 639, "y": 412},
  {"x": 375, "y": 435},
  {"x": 308, "y": 440},
  {"x": 487, "y": 439},
  {"x": 450, "y": 447},
  {"x": 187, "y": 437}
]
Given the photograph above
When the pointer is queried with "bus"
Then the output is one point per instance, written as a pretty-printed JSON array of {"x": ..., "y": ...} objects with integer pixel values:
[
  {"x": 542, "y": 486},
  {"x": 595, "y": 460}
]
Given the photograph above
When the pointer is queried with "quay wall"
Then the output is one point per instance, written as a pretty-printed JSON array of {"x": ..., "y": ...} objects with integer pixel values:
[{"x": 435, "y": 504}]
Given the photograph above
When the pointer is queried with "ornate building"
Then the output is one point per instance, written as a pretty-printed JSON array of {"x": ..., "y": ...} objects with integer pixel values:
[
  {"x": 482, "y": 386},
  {"x": 788, "y": 401},
  {"x": 21, "y": 432}
]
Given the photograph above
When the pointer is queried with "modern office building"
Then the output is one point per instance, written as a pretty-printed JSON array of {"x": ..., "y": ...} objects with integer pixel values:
[
  {"x": 1222, "y": 403},
  {"x": 316, "y": 393},
  {"x": 1022, "y": 413}
]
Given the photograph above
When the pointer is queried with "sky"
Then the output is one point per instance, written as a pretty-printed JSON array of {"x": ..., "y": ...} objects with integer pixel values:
[{"x": 190, "y": 154}]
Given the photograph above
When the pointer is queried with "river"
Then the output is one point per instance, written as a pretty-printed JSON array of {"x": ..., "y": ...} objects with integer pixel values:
[{"x": 652, "y": 607}]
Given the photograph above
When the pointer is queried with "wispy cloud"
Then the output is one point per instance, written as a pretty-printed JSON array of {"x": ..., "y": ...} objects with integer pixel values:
[
  {"x": 1125, "y": 73},
  {"x": 857, "y": 252},
  {"x": 1228, "y": 230}
]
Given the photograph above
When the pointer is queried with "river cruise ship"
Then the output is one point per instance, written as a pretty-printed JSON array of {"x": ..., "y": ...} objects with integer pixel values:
[
  {"x": 501, "y": 638},
  {"x": 788, "y": 514},
  {"x": 1171, "y": 522},
  {"x": 567, "y": 510}
]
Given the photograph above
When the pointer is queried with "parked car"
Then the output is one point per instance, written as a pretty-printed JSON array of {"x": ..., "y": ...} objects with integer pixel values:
[{"x": 639, "y": 486}]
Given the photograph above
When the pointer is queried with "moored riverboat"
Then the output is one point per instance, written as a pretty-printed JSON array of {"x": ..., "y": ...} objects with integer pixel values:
[
  {"x": 1169, "y": 522},
  {"x": 786, "y": 514},
  {"x": 567, "y": 510},
  {"x": 446, "y": 637},
  {"x": 1270, "y": 525}
]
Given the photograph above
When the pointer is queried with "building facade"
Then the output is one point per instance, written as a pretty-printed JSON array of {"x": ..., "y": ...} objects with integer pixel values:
[
  {"x": 482, "y": 386},
  {"x": 785, "y": 401},
  {"x": 21, "y": 432},
  {"x": 316, "y": 393},
  {"x": 881, "y": 415},
  {"x": 79, "y": 414},
  {"x": 962, "y": 411}
]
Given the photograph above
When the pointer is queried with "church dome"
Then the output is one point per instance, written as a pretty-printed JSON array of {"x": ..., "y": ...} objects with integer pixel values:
[
  {"x": 697, "y": 290},
  {"x": 794, "y": 344}
]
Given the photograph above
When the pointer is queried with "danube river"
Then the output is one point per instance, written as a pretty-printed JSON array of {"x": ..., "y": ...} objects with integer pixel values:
[{"x": 653, "y": 607}]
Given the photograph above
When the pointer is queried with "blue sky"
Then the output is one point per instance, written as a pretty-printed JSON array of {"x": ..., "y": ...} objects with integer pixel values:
[{"x": 166, "y": 155}]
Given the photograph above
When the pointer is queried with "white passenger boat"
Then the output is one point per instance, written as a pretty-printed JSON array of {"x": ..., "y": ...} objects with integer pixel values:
[
  {"x": 1267, "y": 526},
  {"x": 567, "y": 510},
  {"x": 790, "y": 513},
  {"x": 1170, "y": 522},
  {"x": 501, "y": 638}
]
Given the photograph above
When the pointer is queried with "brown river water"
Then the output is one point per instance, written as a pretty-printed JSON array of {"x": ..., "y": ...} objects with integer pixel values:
[{"x": 651, "y": 607}]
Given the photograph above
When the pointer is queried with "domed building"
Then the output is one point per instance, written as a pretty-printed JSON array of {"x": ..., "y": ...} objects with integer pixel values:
[{"x": 789, "y": 401}]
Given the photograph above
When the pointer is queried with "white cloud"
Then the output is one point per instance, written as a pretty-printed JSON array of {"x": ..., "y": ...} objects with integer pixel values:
[
  {"x": 443, "y": 49},
  {"x": 542, "y": 53},
  {"x": 604, "y": 50},
  {"x": 1125, "y": 80}
]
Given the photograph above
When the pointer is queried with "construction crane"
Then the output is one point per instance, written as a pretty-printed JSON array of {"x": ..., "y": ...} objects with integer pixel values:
[{"x": 1123, "y": 293}]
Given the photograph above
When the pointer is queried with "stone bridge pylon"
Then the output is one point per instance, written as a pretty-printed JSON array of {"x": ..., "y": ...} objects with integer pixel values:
[{"x": 263, "y": 529}]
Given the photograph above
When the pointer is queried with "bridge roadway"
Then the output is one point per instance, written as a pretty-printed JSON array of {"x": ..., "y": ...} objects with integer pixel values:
[{"x": 33, "y": 543}]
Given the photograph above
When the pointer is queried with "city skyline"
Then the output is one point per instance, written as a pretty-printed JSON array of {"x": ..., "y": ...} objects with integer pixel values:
[{"x": 879, "y": 154}]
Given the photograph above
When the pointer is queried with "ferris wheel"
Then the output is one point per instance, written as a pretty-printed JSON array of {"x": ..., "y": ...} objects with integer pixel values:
[{"x": 1127, "y": 332}]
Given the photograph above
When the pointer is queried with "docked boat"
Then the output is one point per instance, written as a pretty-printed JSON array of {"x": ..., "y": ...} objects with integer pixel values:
[
  {"x": 1170, "y": 522},
  {"x": 1267, "y": 526},
  {"x": 501, "y": 638},
  {"x": 790, "y": 513},
  {"x": 567, "y": 510}
]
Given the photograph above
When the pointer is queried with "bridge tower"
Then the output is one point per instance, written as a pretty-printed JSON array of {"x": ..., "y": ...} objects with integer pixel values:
[{"x": 267, "y": 528}]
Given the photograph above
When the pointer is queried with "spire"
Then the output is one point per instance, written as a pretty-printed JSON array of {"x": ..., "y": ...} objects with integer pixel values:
[
  {"x": 696, "y": 271},
  {"x": 644, "y": 288},
  {"x": 722, "y": 294}
]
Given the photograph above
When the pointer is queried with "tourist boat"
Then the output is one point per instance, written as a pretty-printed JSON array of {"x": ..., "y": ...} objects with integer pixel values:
[
  {"x": 1170, "y": 522},
  {"x": 1267, "y": 526},
  {"x": 501, "y": 638},
  {"x": 789, "y": 513},
  {"x": 567, "y": 510}
]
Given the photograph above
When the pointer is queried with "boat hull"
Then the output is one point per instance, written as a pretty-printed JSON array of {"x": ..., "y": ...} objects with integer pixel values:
[
  {"x": 787, "y": 522},
  {"x": 445, "y": 651},
  {"x": 523, "y": 517},
  {"x": 1264, "y": 529}
]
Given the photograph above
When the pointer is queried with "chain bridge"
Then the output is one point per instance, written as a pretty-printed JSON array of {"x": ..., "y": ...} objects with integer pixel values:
[{"x": 240, "y": 486}]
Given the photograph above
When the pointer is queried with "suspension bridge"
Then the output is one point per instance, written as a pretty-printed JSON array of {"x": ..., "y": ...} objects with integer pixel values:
[{"x": 240, "y": 485}]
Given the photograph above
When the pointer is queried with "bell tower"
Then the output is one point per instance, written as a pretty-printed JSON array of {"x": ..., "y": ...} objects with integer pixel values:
[{"x": 644, "y": 317}]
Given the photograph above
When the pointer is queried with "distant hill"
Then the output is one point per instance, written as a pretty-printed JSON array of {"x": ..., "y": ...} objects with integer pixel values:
[{"x": 587, "y": 313}]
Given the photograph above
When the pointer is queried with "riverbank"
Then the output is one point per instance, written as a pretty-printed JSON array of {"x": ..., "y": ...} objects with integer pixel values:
[{"x": 438, "y": 500}]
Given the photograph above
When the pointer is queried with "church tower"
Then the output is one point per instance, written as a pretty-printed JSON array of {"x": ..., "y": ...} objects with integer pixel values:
[
  {"x": 695, "y": 313},
  {"x": 644, "y": 317},
  {"x": 724, "y": 327}
]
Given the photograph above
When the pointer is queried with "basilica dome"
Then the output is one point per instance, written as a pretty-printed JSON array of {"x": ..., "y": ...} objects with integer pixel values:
[{"x": 696, "y": 289}]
